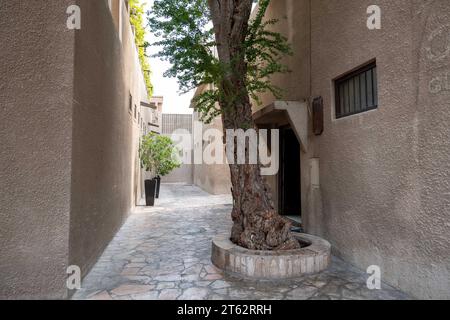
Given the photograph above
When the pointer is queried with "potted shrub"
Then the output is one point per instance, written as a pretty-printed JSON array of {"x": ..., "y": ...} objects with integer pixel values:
[
  {"x": 158, "y": 186},
  {"x": 158, "y": 156}
]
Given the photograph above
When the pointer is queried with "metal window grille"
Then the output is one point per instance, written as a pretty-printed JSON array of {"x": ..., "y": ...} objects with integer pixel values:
[{"x": 357, "y": 92}]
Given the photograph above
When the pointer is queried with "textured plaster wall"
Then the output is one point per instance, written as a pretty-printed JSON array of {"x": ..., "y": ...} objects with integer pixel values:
[
  {"x": 36, "y": 84},
  {"x": 183, "y": 174},
  {"x": 170, "y": 124},
  {"x": 385, "y": 174},
  {"x": 213, "y": 178},
  {"x": 106, "y": 174},
  {"x": 294, "y": 23},
  {"x": 69, "y": 159}
]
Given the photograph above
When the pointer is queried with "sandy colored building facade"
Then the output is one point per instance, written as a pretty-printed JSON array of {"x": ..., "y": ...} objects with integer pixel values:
[
  {"x": 173, "y": 123},
  {"x": 153, "y": 113},
  {"x": 70, "y": 135},
  {"x": 375, "y": 183},
  {"x": 364, "y": 134},
  {"x": 212, "y": 178}
]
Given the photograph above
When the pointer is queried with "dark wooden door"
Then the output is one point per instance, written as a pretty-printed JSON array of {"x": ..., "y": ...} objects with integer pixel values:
[{"x": 289, "y": 174}]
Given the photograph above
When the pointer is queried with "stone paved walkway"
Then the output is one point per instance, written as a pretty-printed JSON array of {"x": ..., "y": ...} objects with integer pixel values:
[{"x": 164, "y": 253}]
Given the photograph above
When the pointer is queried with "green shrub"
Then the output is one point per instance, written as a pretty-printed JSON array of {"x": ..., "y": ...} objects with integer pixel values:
[
  {"x": 158, "y": 154},
  {"x": 137, "y": 21}
]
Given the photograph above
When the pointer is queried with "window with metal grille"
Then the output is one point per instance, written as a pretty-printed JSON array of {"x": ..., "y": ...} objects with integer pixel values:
[{"x": 357, "y": 92}]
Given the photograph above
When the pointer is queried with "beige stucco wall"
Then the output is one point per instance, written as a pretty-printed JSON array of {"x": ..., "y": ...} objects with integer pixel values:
[
  {"x": 294, "y": 23},
  {"x": 36, "y": 85},
  {"x": 173, "y": 124},
  {"x": 213, "y": 178},
  {"x": 384, "y": 174},
  {"x": 69, "y": 162},
  {"x": 384, "y": 191},
  {"x": 106, "y": 174},
  {"x": 183, "y": 174}
]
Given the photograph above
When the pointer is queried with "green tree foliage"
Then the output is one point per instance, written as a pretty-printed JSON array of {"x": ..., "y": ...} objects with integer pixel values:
[
  {"x": 137, "y": 18},
  {"x": 188, "y": 43},
  {"x": 215, "y": 43},
  {"x": 158, "y": 154}
]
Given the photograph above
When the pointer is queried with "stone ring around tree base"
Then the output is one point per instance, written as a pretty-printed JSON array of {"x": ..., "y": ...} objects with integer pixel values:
[{"x": 314, "y": 257}]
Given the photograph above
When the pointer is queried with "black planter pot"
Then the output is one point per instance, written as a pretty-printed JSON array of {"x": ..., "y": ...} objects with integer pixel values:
[
  {"x": 158, "y": 185},
  {"x": 150, "y": 190}
]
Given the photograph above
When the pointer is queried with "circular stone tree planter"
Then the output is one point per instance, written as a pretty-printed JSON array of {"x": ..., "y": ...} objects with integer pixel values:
[{"x": 272, "y": 265}]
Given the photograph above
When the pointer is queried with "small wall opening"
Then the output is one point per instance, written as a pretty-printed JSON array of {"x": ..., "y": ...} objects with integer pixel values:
[{"x": 289, "y": 177}]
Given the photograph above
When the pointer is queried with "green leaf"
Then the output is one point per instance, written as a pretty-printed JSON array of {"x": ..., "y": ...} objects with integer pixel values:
[
  {"x": 158, "y": 154},
  {"x": 188, "y": 43}
]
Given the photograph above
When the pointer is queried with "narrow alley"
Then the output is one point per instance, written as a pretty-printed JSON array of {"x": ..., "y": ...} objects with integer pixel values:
[{"x": 163, "y": 253}]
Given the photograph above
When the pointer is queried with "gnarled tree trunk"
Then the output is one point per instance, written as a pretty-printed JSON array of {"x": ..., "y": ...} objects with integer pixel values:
[{"x": 256, "y": 225}]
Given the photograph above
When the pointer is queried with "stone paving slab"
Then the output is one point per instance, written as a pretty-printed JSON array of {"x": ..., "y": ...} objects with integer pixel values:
[{"x": 164, "y": 253}]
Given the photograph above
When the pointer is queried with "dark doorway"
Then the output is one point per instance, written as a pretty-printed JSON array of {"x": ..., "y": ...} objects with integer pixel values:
[{"x": 289, "y": 175}]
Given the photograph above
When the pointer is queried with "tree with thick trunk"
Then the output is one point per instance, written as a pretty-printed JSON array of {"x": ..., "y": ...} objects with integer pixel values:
[{"x": 237, "y": 55}]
